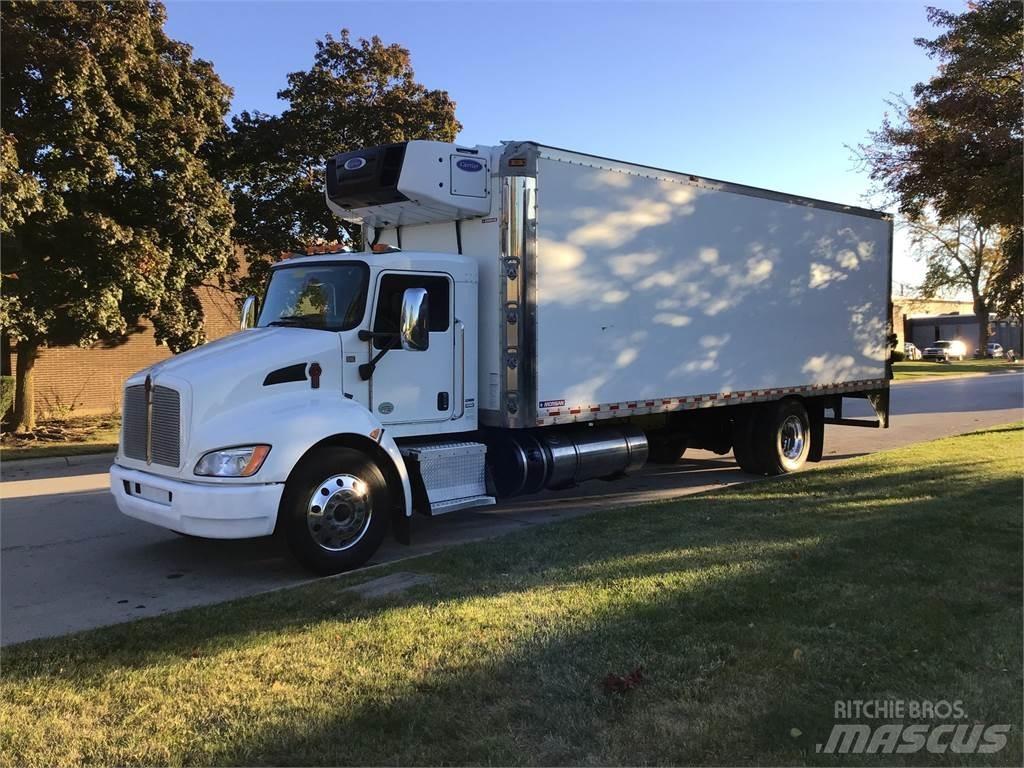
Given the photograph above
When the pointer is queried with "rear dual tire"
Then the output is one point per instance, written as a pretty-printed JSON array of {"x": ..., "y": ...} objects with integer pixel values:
[{"x": 773, "y": 439}]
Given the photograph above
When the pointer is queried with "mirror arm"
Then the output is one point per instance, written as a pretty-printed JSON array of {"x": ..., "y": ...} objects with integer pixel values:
[
  {"x": 365, "y": 335},
  {"x": 366, "y": 369}
]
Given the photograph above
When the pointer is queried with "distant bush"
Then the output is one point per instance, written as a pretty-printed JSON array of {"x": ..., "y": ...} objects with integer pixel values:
[
  {"x": 6, "y": 395},
  {"x": 898, "y": 356}
]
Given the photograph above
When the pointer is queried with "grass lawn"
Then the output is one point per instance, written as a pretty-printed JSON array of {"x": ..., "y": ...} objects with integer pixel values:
[
  {"x": 64, "y": 437},
  {"x": 919, "y": 369},
  {"x": 750, "y": 611}
]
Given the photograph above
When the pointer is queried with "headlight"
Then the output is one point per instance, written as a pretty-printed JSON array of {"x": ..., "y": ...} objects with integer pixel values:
[{"x": 243, "y": 461}]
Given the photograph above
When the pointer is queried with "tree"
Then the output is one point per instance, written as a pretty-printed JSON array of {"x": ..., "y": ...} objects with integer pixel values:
[
  {"x": 355, "y": 95},
  {"x": 960, "y": 255},
  {"x": 109, "y": 210},
  {"x": 956, "y": 149}
]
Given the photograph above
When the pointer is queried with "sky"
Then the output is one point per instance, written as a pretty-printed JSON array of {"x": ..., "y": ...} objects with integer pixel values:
[{"x": 762, "y": 93}]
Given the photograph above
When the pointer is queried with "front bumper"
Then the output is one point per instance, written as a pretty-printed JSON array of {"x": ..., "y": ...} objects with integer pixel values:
[{"x": 198, "y": 509}]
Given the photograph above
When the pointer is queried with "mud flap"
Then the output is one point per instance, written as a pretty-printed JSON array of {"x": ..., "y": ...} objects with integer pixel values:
[{"x": 816, "y": 413}]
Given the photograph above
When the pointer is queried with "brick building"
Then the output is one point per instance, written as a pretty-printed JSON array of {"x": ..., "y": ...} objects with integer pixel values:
[{"x": 88, "y": 380}]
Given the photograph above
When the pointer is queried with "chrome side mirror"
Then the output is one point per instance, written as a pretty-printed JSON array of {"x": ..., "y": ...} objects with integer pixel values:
[
  {"x": 414, "y": 327},
  {"x": 249, "y": 314}
]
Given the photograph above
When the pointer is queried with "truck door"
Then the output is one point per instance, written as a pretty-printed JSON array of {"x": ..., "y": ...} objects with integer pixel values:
[{"x": 410, "y": 386}]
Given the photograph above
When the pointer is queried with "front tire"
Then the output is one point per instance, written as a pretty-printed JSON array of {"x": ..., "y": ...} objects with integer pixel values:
[{"x": 335, "y": 510}]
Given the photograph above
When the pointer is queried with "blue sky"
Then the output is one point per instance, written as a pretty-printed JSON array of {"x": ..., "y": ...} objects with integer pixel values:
[{"x": 763, "y": 93}]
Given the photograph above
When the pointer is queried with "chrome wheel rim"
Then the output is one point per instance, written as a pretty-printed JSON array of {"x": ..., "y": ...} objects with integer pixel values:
[
  {"x": 792, "y": 437},
  {"x": 339, "y": 511}
]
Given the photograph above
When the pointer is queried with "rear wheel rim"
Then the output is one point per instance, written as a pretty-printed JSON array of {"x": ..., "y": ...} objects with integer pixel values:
[
  {"x": 792, "y": 437},
  {"x": 339, "y": 512}
]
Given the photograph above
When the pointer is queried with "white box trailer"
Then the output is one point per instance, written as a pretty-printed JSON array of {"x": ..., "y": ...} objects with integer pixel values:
[{"x": 521, "y": 317}]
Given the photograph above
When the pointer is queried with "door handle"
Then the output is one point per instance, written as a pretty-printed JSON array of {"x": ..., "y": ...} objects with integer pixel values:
[{"x": 460, "y": 354}]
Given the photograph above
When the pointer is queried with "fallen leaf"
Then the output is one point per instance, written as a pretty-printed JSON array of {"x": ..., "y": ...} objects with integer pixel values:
[
  {"x": 796, "y": 733},
  {"x": 614, "y": 683}
]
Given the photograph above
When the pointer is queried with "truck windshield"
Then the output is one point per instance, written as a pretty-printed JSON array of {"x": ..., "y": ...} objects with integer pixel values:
[{"x": 331, "y": 297}]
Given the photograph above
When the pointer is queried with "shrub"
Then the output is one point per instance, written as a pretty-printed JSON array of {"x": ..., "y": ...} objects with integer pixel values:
[{"x": 6, "y": 395}]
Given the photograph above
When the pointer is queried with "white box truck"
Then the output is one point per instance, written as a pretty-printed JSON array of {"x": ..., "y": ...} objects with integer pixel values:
[{"x": 521, "y": 318}]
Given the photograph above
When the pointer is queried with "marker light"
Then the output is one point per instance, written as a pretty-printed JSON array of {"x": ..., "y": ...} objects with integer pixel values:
[{"x": 232, "y": 462}]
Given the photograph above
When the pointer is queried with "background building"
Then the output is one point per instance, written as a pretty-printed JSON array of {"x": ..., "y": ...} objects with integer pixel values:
[{"x": 88, "y": 380}]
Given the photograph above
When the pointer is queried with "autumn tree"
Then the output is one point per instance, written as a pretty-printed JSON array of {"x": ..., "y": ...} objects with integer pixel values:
[
  {"x": 109, "y": 210},
  {"x": 355, "y": 95},
  {"x": 955, "y": 151}
]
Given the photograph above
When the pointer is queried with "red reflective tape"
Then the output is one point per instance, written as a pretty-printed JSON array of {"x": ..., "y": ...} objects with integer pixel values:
[
  {"x": 574, "y": 410},
  {"x": 595, "y": 408},
  {"x": 613, "y": 407}
]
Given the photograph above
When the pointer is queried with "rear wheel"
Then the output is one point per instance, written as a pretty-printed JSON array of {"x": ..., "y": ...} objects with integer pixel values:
[
  {"x": 782, "y": 437},
  {"x": 665, "y": 447},
  {"x": 335, "y": 510}
]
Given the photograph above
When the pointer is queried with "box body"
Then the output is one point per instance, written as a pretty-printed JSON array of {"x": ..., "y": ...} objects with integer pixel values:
[{"x": 609, "y": 289}]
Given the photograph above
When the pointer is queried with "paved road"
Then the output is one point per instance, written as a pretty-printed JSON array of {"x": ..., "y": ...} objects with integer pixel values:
[{"x": 70, "y": 561}]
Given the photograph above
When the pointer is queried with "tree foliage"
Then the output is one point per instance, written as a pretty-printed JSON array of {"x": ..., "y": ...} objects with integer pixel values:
[
  {"x": 355, "y": 95},
  {"x": 109, "y": 209},
  {"x": 956, "y": 149},
  {"x": 960, "y": 255}
]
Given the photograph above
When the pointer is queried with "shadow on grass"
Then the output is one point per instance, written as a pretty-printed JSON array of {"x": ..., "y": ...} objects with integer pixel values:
[{"x": 882, "y": 580}]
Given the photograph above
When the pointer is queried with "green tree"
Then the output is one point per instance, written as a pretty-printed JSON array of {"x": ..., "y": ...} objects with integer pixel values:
[
  {"x": 960, "y": 254},
  {"x": 955, "y": 151},
  {"x": 109, "y": 210},
  {"x": 355, "y": 95}
]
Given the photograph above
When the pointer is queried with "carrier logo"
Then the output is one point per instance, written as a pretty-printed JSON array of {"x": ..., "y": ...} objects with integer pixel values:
[
  {"x": 469, "y": 165},
  {"x": 354, "y": 163}
]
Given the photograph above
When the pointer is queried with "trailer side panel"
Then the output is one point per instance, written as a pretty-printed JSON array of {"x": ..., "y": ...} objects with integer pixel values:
[{"x": 654, "y": 286}]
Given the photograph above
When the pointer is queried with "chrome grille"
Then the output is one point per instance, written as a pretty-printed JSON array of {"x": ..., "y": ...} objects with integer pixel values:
[
  {"x": 134, "y": 418},
  {"x": 165, "y": 441},
  {"x": 166, "y": 426}
]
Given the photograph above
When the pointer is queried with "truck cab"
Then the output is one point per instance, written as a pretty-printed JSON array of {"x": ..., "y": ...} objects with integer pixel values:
[{"x": 346, "y": 353}]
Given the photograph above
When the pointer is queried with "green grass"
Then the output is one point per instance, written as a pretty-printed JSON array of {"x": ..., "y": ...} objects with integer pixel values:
[
  {"x": 750, "y": 610},
  {"x": 920, "y": 369}
]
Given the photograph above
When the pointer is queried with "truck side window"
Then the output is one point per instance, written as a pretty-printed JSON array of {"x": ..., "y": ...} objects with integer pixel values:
[{"x": 389, "y": 303}]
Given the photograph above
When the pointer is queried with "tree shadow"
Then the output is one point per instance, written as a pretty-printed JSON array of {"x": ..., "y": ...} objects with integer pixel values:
[{"x": 712, "y": 616}]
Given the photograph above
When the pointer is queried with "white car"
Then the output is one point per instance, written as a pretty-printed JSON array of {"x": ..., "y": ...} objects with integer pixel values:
[
  {"x": 994, "y": 350},
  {"x": 911, "y": 352},
  {"x": 944, "y": 351}
]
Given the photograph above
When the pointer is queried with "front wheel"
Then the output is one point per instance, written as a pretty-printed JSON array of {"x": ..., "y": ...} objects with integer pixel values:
[{"x": 335, "y": 510}]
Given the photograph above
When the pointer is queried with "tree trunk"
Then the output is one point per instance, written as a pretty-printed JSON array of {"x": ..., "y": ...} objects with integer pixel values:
[
  {"x": 981, "y": 313},
  {"x": 24, "y": 387}
]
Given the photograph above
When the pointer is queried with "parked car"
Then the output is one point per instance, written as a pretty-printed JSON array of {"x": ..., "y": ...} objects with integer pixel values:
[
  {"x": 944, "y": 351},
  {"x": 994, "y": 350},
  {"x": 911, "y": 352}
]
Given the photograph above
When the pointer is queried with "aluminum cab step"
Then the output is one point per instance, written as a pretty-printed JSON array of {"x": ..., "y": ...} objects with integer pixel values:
[{"x": 451, "y": 473}]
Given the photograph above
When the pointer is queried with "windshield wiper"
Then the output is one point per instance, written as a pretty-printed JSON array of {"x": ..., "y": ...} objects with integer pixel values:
[{"x": 293, "y": 320}]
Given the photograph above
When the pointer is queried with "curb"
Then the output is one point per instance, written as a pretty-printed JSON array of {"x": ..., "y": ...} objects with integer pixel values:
[
  {"x": 950, "y": 376},
  {"x": 52, "y": 462}
]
